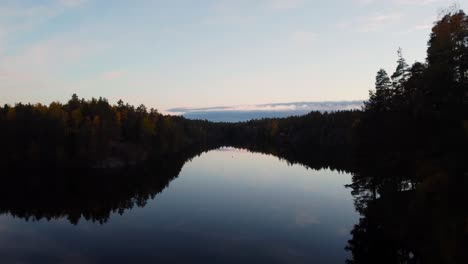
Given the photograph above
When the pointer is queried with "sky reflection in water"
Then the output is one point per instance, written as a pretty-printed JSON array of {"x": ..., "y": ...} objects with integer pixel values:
[{"x": 226, "y": 206}]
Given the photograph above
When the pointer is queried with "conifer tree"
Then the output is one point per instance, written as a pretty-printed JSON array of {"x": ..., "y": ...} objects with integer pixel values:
[
  {"x": 401, "y": 74},
  {"x": 380, "y": 100}
]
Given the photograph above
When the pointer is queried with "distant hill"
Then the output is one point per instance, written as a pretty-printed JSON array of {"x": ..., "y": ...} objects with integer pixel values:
[{"x": 248, "y": 112}]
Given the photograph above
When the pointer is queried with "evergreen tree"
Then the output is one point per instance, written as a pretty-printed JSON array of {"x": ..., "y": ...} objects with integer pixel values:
[
  {"x": 381, "y": 98},
  {"x": 401, "y": 74},
  {"x": 447, "y": 58}
]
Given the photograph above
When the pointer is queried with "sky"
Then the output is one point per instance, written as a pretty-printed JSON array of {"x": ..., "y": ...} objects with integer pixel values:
[{"x": 186, "y": 53}]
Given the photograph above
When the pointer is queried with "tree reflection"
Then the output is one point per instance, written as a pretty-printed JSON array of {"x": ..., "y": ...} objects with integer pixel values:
[
  {"x": 90, "y": 194},
  {"x": 411, "y": 211},
  {"x": 407, "y": 221}
]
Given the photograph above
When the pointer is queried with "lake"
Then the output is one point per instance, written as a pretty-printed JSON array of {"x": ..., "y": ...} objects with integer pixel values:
[{"x": 225, "y": 206}]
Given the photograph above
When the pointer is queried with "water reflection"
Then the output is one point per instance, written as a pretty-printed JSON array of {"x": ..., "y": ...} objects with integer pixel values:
[
  {"x": 92, "y": 195},
  {"x": 412, "y": 211},
  {"x": 232, "y": 206},
  {"x": 226, "y": 206}
]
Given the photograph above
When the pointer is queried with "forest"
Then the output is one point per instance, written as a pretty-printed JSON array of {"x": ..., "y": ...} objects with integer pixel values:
[{"x": 94, "y": 133}]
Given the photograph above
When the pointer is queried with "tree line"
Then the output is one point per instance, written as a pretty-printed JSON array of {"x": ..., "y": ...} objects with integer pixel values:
[
  {"x": 422, "y": 108},
  {"x": 86, "y": 133}
]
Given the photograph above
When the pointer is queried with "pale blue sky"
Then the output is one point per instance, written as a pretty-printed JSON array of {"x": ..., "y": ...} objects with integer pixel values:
[{"x": 205, "y": 52}]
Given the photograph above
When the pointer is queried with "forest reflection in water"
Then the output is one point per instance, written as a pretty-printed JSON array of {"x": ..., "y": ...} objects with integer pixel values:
[
  {"x": 226, "y": 206},
  {"x": 402, "y": 219}
]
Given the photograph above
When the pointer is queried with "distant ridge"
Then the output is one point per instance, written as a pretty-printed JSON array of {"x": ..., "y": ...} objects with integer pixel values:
[{"x": 247, "y": 112}]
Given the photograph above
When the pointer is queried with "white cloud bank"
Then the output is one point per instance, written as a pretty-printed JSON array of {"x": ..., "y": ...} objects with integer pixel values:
[{"x": 247, "y": 112}]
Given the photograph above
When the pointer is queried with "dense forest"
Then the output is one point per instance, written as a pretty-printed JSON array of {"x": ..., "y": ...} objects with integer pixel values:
[{"x": 94, "y": 133}]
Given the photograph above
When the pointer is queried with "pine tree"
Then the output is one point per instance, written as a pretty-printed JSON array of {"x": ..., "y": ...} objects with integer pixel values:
[
  {"x": 380, "y": 100},
  {"x": 447, "y": 59},
  {"x": 401, "y": 74}
]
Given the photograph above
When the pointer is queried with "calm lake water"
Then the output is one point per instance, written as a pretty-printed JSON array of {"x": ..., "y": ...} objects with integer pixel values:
[{"x": 226, "y": 206}]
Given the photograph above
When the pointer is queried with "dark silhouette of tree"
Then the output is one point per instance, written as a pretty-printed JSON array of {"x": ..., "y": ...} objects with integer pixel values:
[
  {"x": 380, "y": 100},
  {"x": 401, "y": 74},
  {"x": 447, "y": 59}
]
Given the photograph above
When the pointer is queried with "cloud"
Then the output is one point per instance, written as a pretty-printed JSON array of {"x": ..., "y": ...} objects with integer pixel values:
[
  {"x": 285, "y": 4},
  {"x": 309, "y": 106},
  {"x": 38, "y": 63},
  {"x": 371, "y": 23},
  {"x": 229, "y": 19},
  {"x": 17, "y": 18},
  {"x": 378, "y": 22},
  {"x": 240, "y": 5},
  {"x": 112, "y": 75},
  {"x": 246, "y": 12},
  {"x": 422, "y": 27},
  {"x": 72, "y": 3},
  {"x": 399, "y": 2},
  {"x": 52, "y": 52},
  {"x": 14, "y": 13},
  {"x": 415, "y": 2},
  {"x": 304, "y": 219},
  {"x": 30, "y": 243},
  {"x": 248, "y": 112},
  {"x": 303, "y": 38},
  {"x": 365, "y": 2},
  {"x": 231, "y": 12}
]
